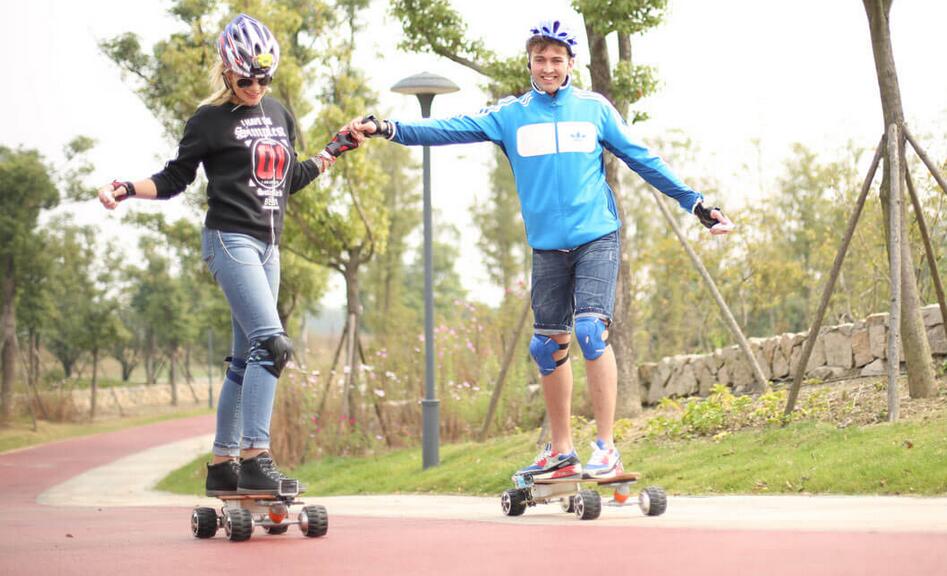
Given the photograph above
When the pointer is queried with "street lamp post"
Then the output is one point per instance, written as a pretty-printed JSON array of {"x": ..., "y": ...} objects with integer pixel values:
[{"x": 426, "y": 86}]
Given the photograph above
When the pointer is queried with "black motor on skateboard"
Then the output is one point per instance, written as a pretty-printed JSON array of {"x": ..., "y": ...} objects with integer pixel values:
[
  {"x": 241, "y": 513},
  {"x": 585, "y": 503}
]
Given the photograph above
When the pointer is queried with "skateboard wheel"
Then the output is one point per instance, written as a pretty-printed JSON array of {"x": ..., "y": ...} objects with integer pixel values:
[
  {"x": 238, "y": 524},
  {"x": 513, "y": 502},
  {"x": 568, "y": 504},
  {"x": 314, "y": 521},
  {"x": 204, "y": 522},
  {"x": 588, "y": 505},
  {"x": 275, "y": 530},
  {"x": 653, "y": 501}
]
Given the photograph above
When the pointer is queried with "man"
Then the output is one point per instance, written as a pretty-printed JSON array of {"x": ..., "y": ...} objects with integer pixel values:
[{"x": 554, "y": 137}]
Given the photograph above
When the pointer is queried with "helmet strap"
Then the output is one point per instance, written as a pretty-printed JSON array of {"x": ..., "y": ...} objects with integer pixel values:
[{"x": 227, "y": 82}]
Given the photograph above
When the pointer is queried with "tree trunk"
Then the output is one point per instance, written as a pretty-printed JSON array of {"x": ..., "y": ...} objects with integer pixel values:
[
  {"x": 8, "y": 331},
  {"x": 172, "y": 379},
  {"x": 917, "y": 352},
  {"x": 621, "y": 332},
  {"x": 95, "y": 382},
  {"x": 353, "y": 309},
  {"x": 127, "y": 367},
  {"x": 34, "y": 373},
  {"x": 151, "y": 362}
]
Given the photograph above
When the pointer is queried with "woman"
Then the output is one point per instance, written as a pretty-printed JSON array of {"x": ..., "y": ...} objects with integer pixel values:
[{"x": 245, "y": 140}]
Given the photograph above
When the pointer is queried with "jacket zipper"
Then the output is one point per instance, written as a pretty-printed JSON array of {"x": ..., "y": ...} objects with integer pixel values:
[{"x": 558, "y": 187}]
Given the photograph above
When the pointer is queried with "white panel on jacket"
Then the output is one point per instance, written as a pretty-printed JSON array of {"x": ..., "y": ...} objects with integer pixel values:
[{"x": 536, "y": 139}]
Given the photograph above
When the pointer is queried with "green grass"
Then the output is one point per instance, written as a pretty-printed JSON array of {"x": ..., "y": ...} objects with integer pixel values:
[
  {"x": 902, "y": 458},
  {"x": 20, "y": 433}
]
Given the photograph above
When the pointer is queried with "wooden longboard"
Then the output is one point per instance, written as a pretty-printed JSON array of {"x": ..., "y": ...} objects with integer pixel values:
[
  {"x": 257, "y": 496},
  {"x": 626, "y": 477}
]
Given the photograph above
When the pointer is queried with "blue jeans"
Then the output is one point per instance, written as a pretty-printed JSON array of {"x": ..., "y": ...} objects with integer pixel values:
[
  {"x": 576, "y": 282},
  {"x": 248, "y": 272}
]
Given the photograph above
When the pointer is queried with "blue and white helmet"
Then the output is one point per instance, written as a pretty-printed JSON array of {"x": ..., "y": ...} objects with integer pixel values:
[
  {"x": 248, "y": 48},
  {"x": 556, "y": 30}
]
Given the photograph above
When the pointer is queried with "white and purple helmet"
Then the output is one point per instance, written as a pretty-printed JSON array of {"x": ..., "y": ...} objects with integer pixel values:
[
  {"x": 556, "y": 30},
  {"x": 248, "y": 48}
]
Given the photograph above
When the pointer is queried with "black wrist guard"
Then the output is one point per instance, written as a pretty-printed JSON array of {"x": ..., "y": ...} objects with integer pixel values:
[
  {"x": 341, "y": 143},
  {"x": 703, "y": 214},
  {"x": 383, "y": 128},
  {"x": 129, "y": 189}
]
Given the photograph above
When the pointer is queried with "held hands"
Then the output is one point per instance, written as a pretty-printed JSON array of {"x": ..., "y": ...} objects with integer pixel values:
[
  {"x": 352, "y": 135},
  {"x": 713, "y": 218},
  {"x": 369, "y": 127}
]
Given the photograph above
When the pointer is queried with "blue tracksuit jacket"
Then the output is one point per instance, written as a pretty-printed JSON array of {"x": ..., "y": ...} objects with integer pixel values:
[{"x": 554, "y": 145}]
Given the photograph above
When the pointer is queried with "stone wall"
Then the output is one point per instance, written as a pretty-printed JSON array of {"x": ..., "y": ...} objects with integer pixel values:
[
  {"x": 132, "y": 398},
  {"x": 848, "y": 350}
]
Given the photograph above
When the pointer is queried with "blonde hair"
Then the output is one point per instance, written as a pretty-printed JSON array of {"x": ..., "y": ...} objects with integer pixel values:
[{"x": 220, "y": 93}]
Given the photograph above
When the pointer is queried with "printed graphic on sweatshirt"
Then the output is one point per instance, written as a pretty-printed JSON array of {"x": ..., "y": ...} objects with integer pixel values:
[{"x": 270, "y": 155}]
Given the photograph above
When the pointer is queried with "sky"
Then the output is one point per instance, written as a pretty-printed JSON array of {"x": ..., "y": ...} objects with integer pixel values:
[{"x": 744, "y": 79}]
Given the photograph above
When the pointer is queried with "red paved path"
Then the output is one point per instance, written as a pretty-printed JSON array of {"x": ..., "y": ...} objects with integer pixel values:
[{"x": 38, "y": 541}]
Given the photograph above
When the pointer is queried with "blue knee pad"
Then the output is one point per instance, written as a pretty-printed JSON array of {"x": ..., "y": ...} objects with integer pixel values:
[
  {"x": 238, "y": 363},
  {"x": 542, "y": 348},
  {"x": 588, "y": 331}
]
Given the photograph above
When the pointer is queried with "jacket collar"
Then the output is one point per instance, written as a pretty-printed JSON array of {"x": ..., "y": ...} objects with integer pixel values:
[{"x": 557, "y": 98}]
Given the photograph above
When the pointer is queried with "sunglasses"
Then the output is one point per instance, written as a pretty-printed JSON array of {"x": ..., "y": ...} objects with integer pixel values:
[{"x": 247, "y": 82}]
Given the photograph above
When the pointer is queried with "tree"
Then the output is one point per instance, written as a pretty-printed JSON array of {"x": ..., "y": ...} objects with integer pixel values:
[
  {"x": 384, "y": 292},
  {"x": 447, "y": 285},
  {"x": 26, "y": 188},
  {"x": 101, "y": 325},
  {"x": 35, "y": 306},
  {"x": 502, "y": 238},
  {"x": 433, "y": 26},
  {"x": 73, "y": 250},
  {"x": 917, "y": 350},
  {"x": 343, "y": 222}
]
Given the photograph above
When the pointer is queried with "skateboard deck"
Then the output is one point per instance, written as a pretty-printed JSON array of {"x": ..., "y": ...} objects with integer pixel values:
[
  {"x": 621, "y": 478},
  {"x": 252, "y": 496}
]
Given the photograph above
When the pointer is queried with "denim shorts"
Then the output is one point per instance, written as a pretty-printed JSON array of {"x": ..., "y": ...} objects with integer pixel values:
[{"x": 576, "y": 282}]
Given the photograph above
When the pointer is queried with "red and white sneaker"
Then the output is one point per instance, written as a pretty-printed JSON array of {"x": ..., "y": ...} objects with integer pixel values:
[
  {"x": 549, "y": 465},
  {"x": 604, "y": 463}
]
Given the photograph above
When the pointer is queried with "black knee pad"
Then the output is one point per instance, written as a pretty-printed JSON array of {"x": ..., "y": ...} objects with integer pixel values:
[{"x": 272, "y": 353}]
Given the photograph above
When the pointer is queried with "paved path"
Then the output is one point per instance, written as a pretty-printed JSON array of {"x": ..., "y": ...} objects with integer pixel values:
[{"x": 85, "y": 506}]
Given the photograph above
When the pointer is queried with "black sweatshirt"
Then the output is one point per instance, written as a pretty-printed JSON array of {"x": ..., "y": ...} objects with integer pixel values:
[{"x": 250, "y": 161}]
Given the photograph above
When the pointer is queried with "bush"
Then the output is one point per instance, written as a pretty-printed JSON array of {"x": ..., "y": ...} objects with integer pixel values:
[{"x": 719, "y": 413}]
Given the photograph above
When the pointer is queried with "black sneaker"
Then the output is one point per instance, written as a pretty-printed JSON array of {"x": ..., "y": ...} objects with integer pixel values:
[
  {"x": 260, "y": 474},
  {"x": 222, "y": 478}
]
